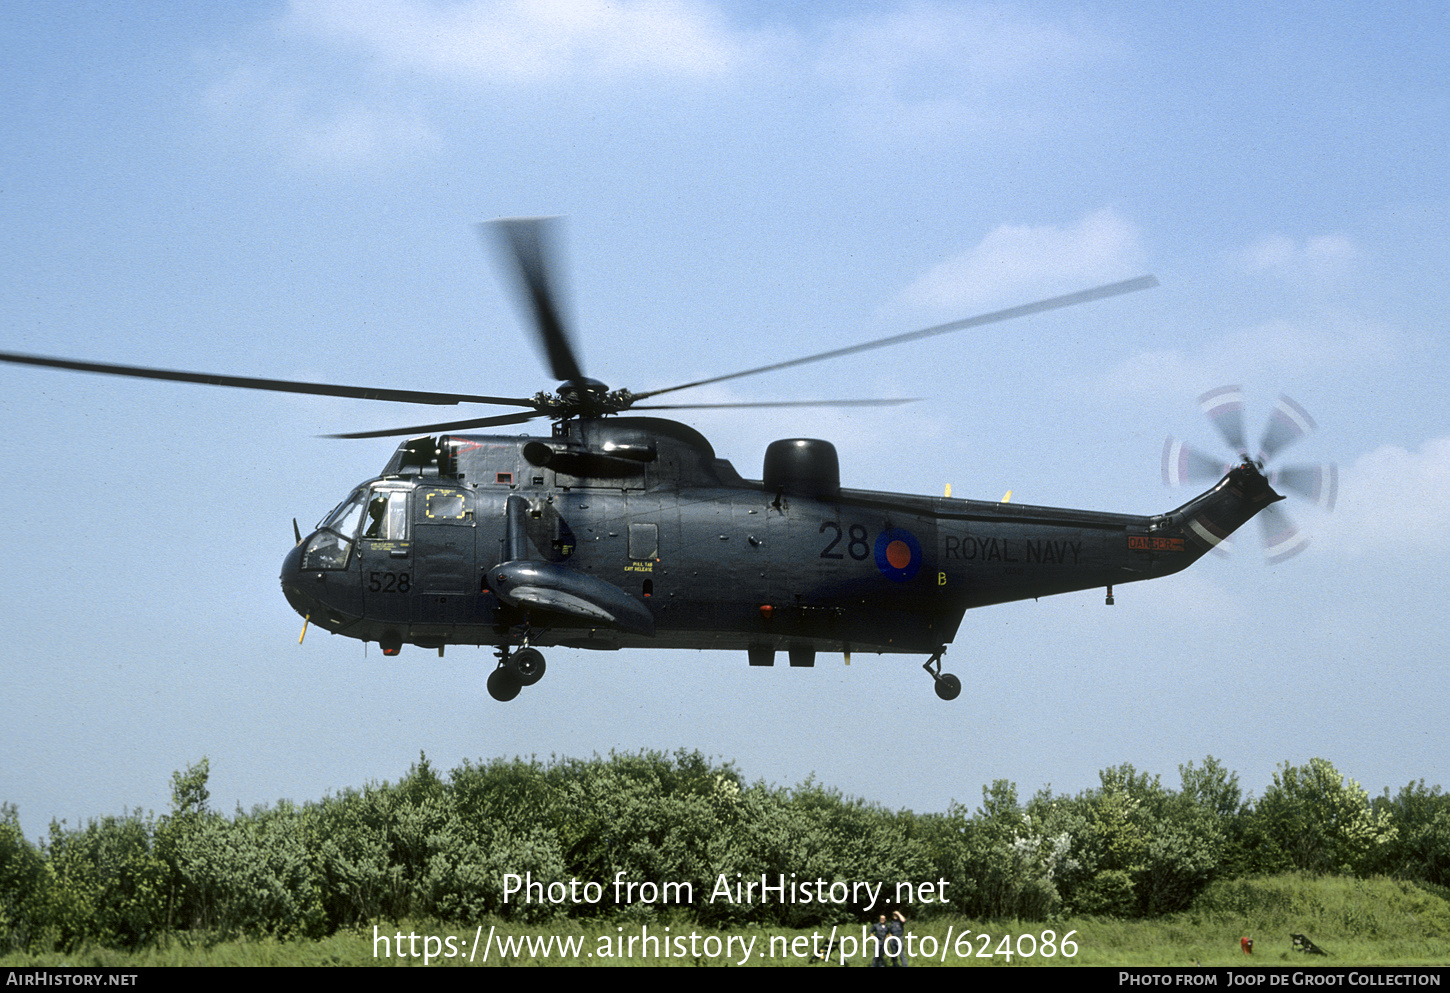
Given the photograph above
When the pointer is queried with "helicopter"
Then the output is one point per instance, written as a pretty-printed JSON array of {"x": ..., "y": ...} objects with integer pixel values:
[{"x": 618, "y": 531}]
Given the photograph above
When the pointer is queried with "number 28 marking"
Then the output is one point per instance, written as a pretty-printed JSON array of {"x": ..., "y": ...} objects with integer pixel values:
[{"x": 857, "y": 547}]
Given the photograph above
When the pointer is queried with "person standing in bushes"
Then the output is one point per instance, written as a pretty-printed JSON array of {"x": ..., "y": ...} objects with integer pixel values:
[
  {"x": 880, "y": 931},
  {"x": 896, "y": 929}
]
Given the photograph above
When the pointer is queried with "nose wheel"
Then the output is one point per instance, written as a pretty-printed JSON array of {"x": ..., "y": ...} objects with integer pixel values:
[
  {"x": 948, "y": 687},
  {"x": 516, "y": 670}
]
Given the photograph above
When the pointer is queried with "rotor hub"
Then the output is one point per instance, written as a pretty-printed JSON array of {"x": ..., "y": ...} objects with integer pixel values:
[{"x": 583, "y": 397}]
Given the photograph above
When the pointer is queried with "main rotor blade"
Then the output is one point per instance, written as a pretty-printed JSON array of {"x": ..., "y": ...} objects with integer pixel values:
[
  {"x": 480, "y": 422},
  {"x": 528, "y": 248},
  {"x": 781, "y": 403},
  {"x": 248, "y": 383},
  {"x": 1011, "y": 313}
]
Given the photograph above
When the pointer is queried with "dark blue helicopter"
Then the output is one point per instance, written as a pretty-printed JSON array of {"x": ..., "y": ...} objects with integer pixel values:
[{"x": 619, "y": 531}]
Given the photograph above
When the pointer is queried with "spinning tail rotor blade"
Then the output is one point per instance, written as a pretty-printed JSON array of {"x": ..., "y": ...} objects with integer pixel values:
[
  {"x": 1182, "y": 464},
  {"x": 1287, "y": 424},
  {"x": 1282, "y": 537},
  {"x": 1225, "y": 408},
  {"x": 1319, "y": 483}
]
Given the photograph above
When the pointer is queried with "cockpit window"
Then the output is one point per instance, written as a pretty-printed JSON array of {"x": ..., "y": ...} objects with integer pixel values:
[
  {"x": 387, "y": 516},
  {"x": 326, "y": 550},
  {"x": 345, "y": 517}
]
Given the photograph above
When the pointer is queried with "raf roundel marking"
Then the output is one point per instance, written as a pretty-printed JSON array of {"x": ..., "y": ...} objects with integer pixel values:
[{"x": 898, "y": 554}]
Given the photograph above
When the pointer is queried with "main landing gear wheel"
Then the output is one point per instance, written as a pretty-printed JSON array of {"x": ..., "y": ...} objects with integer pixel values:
[
  {"x": 948, "y": 687},
  {"x": 526, "y": 665},
  {"x": 503, "y": 685}
]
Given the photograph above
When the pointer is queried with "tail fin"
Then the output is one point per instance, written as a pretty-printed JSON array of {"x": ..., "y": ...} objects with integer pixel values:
[{"x": 1208, "y": 519}]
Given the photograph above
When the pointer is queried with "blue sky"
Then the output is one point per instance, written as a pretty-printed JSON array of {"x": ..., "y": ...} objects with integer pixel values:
[{"x": 289, "y": 191}]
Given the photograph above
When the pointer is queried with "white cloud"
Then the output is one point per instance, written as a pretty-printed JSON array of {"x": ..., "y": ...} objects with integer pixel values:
[
  {"x": 1311, "y": 261},
  {"x": 1325, "y": 342},
  {"x": 923, "y": 67},
  {"x": 347, "y": 84},
  {"x": 1394, "y": 501},
  {"x": 1020, "y": 261},
  {"x": 1159, "y": 373},
  {"x": 973, "y": 45},
  {"x": 1267, "y": 357},
  {"x": 389, "y": 66},
  {"x": 314, "y": 130},
  {"x": 530, "y": 39}
]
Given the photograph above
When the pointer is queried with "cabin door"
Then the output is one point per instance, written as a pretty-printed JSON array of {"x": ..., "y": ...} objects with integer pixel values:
[{"x": 445, "y": 530}]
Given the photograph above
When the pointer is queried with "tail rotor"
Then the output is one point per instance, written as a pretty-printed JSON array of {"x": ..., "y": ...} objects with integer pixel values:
[{"x": 1288, "y": 423}]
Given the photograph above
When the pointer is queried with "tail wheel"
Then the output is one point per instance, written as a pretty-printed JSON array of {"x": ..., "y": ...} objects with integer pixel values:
[{"x": 948, "y": 687}]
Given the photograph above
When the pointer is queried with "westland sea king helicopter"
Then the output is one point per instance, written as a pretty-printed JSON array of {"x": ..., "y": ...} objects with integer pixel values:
[{"x": 613, "y": 531}]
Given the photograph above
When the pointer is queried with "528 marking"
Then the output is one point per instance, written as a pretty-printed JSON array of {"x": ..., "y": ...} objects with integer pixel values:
[
  {"x": 857, "y": 546},
  {"x": 389, "y": 582}
]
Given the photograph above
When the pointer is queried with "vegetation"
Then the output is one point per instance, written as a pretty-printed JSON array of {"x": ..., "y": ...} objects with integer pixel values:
[
  {"x": 1359, "y": 922},
  {"x": 446, "y": 849}
]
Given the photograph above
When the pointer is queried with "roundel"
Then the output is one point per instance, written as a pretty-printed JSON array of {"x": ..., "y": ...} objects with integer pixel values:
[{"x": 898, "y": 554}]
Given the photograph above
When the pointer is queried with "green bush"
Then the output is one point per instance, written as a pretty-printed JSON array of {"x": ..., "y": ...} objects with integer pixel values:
[
  {"x": 438, "y": 847},
  {"x": 1421, "y": 847},
  {"x": 1314, "y": 820},
  {"x": 24, "y": 885}
]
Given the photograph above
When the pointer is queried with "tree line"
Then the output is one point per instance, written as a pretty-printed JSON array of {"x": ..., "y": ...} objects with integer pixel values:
[{"x": 436, "y": 847}]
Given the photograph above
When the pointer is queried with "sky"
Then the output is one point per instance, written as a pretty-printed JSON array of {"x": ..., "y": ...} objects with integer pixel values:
[{"x": 290, "y": 190}]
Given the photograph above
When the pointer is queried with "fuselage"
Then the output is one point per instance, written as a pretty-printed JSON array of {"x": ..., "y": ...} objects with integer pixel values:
[{"x": 629, "y": 532}]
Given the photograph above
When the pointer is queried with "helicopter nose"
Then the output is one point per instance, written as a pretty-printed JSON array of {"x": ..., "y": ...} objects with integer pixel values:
[
  {"x": 292, "y": 564},
  {"x": 325, "y": 592},
  {"x": 292, "y": 582}
]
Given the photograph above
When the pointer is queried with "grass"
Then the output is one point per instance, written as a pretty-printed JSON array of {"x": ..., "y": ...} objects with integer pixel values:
[{"x": 1359, "y": 922}]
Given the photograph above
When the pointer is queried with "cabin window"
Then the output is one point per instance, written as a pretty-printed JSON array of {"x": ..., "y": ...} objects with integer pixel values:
[
  {"x": 644, "y": 542},
  {"x": 387, "y": 516},
  {"x": 444, "y": 505}
]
